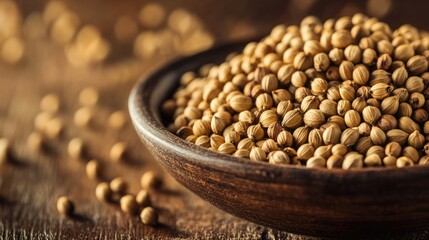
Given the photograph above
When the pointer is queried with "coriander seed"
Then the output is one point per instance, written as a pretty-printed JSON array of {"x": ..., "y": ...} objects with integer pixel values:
[
  {"x": 65, "y": 206},
  {"x": 150, "y": 180},
  {"x": 257, "y": 154},
  {"x": 93, "y": 169},
  {"x": 118, "y": 185},
  {"x": 4, "y": 150},
  {"x": 143, "y": 198},
  {"x": 50, "y": 103},
  {"x": 118, "y": 151},
  {"x": 35, "y": 141},
  {"x": 103, "y": 192},
  {"x": 128, "y": 204},
  {"x": 88, "y": 96},
  {"x": 76, "y": 148},
  {"x": 117, "y": 120},
  {"x": 83, "y": 117},
  {"x": 149, "y": 216}
]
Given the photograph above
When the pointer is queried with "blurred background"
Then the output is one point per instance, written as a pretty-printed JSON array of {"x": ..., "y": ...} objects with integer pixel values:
[
  {"x": 124, "y": 36},
  {"x": 63, "y": 47}
]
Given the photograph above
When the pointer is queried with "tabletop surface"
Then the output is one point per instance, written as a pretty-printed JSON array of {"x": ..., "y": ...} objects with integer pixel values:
[{"x": 31, "y": 181}]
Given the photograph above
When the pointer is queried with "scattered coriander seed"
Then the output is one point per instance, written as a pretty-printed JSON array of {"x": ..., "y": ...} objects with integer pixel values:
[
  {"x": 118, "y": 185},
  {"x": 128, "y": 204},
  {"x": 143, "y": 198},
  {"x": 149, "y": 216},
  {"x": 35, "y": 141},
  {"x": 389, "y": 161},
  {"x": 50, "y": 103},
  {"x": 83, "y": 117},
  {"x": 393, "y": 149},
  {"x": 93, "y": 169},
  {"x": 404, "y": 162},
  {"x": 335, "y": 161},
  {"x": 316, "y": 162},
  {"x": 88, "y": 97},
  {"x": 350, "y": 91},
  {"x": 278, "y": 157},
  {"x": 257, "y": 154},
  {"x": 372, "y": 160},
  {"x": 118, "y": 151},
  {"x": 352, "y": 160},
  {"x": 41, "y": 120},
  {"x": 103, "y": 192},
  {"x": 76, "y": 148},
  {"x": 65, "y": 206},
  {"x": 4, "y": 150},
  {"x": 150, "y": 180},
  {"x": 117, "y": 120},
  {"x": 54, "y": 127}
]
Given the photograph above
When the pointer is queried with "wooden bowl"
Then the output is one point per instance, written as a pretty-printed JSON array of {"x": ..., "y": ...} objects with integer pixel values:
[{"x": 315, "y": 202}]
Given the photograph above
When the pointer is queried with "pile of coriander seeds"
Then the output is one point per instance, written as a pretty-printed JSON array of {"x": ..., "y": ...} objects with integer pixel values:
[{"x": 344, "y": 93}]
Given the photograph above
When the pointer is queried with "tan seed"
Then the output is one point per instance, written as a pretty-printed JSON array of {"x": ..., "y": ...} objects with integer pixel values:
[
  {"x": 118, "y": 152},
  {"x": 4, "y": 150},
  {"x": 143, "y": 198},
  {"x": 35, "y": 141},
  {"x": 103, "y": 192},
  {"x": 93, "y": 169},
  {"x": 149, "y": 216},
  {"x": 88, "y": 96},
  {"x": 316, "y": 162},
  {"x": 150, "y": 180},
  {"x": 50, "y": 103},
  {"x": 404, "y": 162},
  {"x": 119, "y": 185},
  {"x": 128, "y": 204},
  {"x": 352, "y": 160},
  {"x": 83, "y": 117},
  {"x": 117, "y": 120},
  {"x": 257, "y": 154},
  {"x": 76, "y": 148}
]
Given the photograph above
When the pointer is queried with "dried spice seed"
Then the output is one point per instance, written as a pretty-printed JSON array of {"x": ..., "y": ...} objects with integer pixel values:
[
  {"x": 150, "y": 180},
  {"x": 35, "y": 141},
  {"x": 257, "y": 154},
  {"x": 50, "y": 103},
  {"x": 53, "y": 128},
  {"x": 83, "y": 117},
  {"x": 65, "y": 206},
  {"x": 117, "y": 120},
  {"x": 149, "y": 216},
  {"x": 103, "y": 192},
  {"x": 93, "y": 169},
  {"x": 119, "y": 185},
  {"x": 143, "y": 198},
  {"x": 278, "y": 157},
  {"x": 118, "y": 151},
  {"x": 128, "y": 204},
  {"x": 76, "y": 148},
  {"x": 4, "y": 150},
  {"x": 88, "y": 96}
]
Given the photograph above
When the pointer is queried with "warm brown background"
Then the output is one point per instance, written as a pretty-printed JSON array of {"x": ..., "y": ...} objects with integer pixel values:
[{"x": 30, "y": 184}]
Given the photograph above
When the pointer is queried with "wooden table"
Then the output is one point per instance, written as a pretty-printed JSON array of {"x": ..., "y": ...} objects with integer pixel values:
[{"x": 31, "y": 182}]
